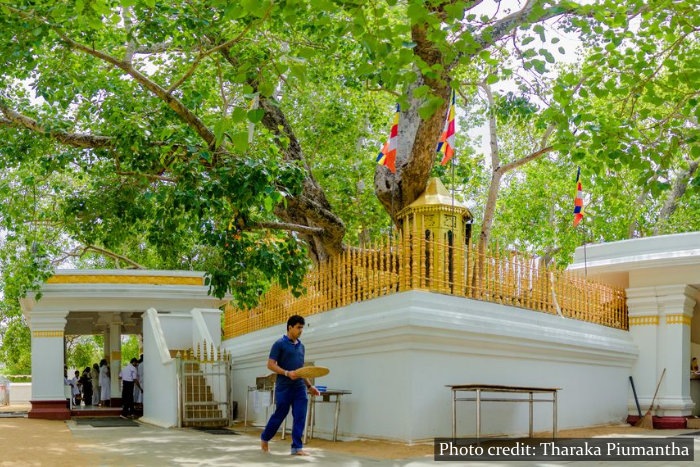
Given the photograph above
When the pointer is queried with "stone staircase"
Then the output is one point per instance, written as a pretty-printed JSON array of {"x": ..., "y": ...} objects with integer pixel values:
[{"x": 199, "y": 408}]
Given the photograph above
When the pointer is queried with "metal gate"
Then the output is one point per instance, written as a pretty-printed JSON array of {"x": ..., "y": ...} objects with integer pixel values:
[{"x": 204, "y": 383}]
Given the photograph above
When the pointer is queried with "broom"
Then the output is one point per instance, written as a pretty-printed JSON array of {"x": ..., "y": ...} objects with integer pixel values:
[{"x": 647, "y": 421}]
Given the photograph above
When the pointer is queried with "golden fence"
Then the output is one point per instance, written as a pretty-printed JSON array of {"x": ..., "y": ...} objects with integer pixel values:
[{"x": 412, "y": 263}]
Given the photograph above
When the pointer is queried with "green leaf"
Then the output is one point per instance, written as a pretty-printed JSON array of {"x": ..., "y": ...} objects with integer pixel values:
[
  {"x": 547, "y": 55},
  {"x": 539, "y": 29},
  {"x": 266, "y": 88},
  {"x": 268, "y": 203},
  {"x": 492, "y": 79},
  {"x": 421, "y": 91},
  {"x": 539, "y": 66},
  {"x": 239, "y": 114},
  {"x": 430, "y": 107},
  {"x": 416, "y": 12},
  {"x": 240, "y": 140},
  {"x": 220, "y": 128},
  {"x": 256, "y": 115}
]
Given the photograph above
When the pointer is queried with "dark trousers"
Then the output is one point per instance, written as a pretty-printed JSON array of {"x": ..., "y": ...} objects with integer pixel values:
[
  {"x": 127, "y": 398},
  {"x": 287, "y": 397}
]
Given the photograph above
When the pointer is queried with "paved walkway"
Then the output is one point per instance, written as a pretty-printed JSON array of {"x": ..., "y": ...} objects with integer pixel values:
[
  {"x": 57, "y": 443},
  {"x": 150, "y": 446}
]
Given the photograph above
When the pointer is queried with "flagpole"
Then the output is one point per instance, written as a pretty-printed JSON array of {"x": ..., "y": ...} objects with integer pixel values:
[
  {"x": 585, "y": 254},
  {"x": 454, "y": 220},
  {"x": 387, "y": 158},
  {"x": 579, "y": 217}
]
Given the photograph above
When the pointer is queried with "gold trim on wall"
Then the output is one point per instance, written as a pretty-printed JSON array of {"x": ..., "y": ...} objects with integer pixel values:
[
  {"x": 115, "y": 355},
  {"x": 47, "y": 333},
  {"x": 678, "y": 319},
  {"x": 119, "y": 279},
  {"x": 644, "y": 320}
]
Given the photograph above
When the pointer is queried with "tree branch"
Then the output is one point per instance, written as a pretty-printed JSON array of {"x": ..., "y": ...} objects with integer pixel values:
[
  {"x": 131, "y": 44},
  {"x": 175, "y": 104},
  {"x": 15, "y": 119},
  {"x": 149, "y": 176},
  {"x": 111, "y": 254},
  {"x": 493, "y": 139},
  {"x": 311, "y": 207},
  {"x": 680, "y": 185},
  {"x": 225, "y": 45},
  {"x": 80, "y": 251},
  {"x": 152, "y": 49},
  {"x": 290, "y": 227},
  {"x": 504, "y": 26},
  {"x": 530, "y": 157},
  {"x": 78, "y": 140}
]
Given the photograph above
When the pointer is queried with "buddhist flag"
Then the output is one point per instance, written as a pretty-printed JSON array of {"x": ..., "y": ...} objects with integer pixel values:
[
  {"x": 387, "y": 156},
  {"x": 446, "y": 145},
  {"x": 578, "y": 201}
]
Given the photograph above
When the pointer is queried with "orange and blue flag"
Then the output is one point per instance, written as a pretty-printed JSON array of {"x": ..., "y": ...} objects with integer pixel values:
[
  {"x": 446, "y": 145},
  {"x": 387, "y": 155},
  {"x": 578, "y": 201}
]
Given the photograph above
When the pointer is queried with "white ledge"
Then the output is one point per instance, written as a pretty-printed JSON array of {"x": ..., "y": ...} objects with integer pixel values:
[{"x": 639, "y": 253}]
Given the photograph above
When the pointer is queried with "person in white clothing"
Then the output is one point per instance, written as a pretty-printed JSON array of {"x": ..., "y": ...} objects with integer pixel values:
[
  {"x": 130, "y": 378},
  {"x": 105, "y": 384},
  {"x": 95, "y": 378},
  {"x": 75, "y": 389},
  {"x": 138, "y": 391}
]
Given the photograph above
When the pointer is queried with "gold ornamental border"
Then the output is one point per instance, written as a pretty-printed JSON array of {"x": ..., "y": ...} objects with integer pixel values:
[
  {"x": 678, "y": 319},
  {"x": 644, "y": 320},
  {"x": 118, "y": 279},
  {"x": 47, "y": 333}
]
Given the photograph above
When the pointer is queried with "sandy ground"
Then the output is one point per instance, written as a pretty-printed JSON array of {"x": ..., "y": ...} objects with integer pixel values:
[
  {"x": 389, "y": 450},
  {"x": 34, "y": 442},
  {"x": 30, "y": 442}
]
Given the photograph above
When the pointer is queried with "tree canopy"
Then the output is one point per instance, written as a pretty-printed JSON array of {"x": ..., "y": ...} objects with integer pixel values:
[{"x": 239, "y": 137}]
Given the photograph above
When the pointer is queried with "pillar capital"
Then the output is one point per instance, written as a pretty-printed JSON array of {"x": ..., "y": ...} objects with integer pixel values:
[
  {"x": 642, "y": 302},
  {"x": 41, "y": 321},
  {"x": 659, "y": 301},
  {"x": 677, "y": 300}
]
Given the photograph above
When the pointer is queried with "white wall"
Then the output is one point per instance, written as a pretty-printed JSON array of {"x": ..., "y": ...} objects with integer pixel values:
[
  {"x": 20, "y": 393},
  {"x": 397, "y": 353},
  {"x": 160, "y": 388}
]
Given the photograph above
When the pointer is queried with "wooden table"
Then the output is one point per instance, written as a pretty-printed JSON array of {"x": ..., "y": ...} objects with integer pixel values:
[{"x": 480, "y": 389}]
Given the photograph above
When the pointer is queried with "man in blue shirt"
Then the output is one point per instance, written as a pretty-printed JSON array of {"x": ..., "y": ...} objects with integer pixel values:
[{"x": 286, "y": 356}]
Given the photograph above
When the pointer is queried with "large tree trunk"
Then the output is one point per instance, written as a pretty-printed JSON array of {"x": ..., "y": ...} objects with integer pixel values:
[
  {"x": 680, "y": 185},
  {"x": 311, "y": 207},
  {"x": 417, "y": 137},
  {"x": 414, "y": 160}
]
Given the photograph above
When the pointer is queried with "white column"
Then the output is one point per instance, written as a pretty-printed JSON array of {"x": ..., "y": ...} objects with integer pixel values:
[
  {"x": 643, "y": 315},
  {"x": 676, "y": 305},
  {"x": 47, "y": 328},
  {"x": 115, "y": 355}
]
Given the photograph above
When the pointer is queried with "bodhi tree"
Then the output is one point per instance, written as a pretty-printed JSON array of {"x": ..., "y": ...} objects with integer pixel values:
[{"x": 186, "y": 134}]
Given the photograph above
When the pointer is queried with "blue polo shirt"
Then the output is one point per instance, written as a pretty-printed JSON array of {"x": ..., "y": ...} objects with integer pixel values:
[{"x": 289, "y": 356}]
